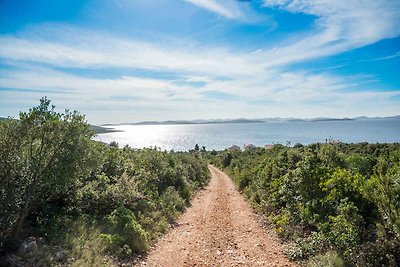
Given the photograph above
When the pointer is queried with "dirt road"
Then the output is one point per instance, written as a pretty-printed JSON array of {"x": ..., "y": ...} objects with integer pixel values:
[{"x": 219, "y": 229}]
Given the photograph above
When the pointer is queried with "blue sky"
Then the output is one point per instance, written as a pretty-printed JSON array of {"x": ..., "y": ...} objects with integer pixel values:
[{"x": 134, "y": 60}]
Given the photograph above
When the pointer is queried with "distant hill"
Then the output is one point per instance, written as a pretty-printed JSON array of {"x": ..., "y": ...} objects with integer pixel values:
[
  {"x": 322, "y": 119},
  {"x": 378, "y": 118},
  {"x": 178, "y": 122},
  {"x": 331, "y": 119},
  {"x": 242, "y": 120},
  {"x": 314, "y": 119},
  {"x": 100, "y": 130}
]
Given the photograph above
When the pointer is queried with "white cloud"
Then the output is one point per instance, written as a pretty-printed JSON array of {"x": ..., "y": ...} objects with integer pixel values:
[
  {"x": 224, "y": 8},
  {"x": 396, "y": 55},
  {"x": 341, "y": 25},
  {"x": 90, "y": 50},
  {"x": 42, "y": 79},
  {"x": 137, "y": 98}
]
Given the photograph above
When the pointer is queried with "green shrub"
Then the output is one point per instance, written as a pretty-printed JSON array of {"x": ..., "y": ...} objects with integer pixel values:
[
  {"x": 329, "y": 259},
  {"x": 125, "y": 230},
  {"x": 344, "y": 229},
  {"x": 103, "y": 194},
  {"x": 303, "y": 248},
  {"x": 384, "y": 190},
  {"x": 85, "y": 247},
  {"x": 171, "y": 202}
]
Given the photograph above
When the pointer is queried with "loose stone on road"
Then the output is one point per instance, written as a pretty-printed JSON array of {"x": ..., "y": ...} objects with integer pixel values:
[{"x": 219, "y": 229}]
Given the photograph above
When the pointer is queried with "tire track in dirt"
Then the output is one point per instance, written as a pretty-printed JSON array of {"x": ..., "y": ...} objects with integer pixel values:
[{"x": 219, "y": 229}]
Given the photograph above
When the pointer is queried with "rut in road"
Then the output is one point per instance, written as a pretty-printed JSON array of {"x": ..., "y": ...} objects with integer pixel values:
[{"x": 219, "y": 229}]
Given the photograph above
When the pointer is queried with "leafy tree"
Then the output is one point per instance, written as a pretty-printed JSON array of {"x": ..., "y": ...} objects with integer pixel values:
[{"x": 43, "y": 155}]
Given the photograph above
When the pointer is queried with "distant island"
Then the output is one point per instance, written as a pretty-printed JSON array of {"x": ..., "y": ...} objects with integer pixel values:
[
  {"x": 242, "y": 120},
  {"x": 101, "y": 130},
  {"x": 177, "y": 122},
  {"x": 332, "y": 119}
]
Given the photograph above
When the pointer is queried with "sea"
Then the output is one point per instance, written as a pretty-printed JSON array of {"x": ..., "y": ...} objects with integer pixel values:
[{"x": 184, "y": 137}]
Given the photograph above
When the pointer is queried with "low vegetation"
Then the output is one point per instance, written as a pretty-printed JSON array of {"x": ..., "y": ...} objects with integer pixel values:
[
  {"x": 68, "y": 200},
  {"x": 336, "y": 204}
]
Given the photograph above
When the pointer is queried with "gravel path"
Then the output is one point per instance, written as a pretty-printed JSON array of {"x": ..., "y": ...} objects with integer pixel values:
[{"x": 219, "y": 229}]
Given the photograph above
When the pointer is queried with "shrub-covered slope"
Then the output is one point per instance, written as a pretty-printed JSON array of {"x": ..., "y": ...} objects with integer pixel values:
[{"x": 334, "y": 202}]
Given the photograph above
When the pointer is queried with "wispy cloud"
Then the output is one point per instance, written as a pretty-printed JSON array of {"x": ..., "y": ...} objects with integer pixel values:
[
  {"x": 341, "y": 25},
  {"x": 224, "y": 8},
  {"x": 396, "y": 55},
  {"x": 84, "y": 49},
  {"x": 283, "y": 93}
]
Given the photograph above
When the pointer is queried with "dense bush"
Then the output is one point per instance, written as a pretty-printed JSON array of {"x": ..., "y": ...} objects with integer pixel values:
[
  {"x": 333, "y": 202},
  {"x": 57, "y": 183},
  {"x": 42, "y": 157},
  {"x": 126, "y": 234}
]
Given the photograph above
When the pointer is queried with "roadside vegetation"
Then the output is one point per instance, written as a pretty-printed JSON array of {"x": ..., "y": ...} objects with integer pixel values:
[
  {"x": 336, "y": 204},
  {"x": 68, "y": 200}
]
